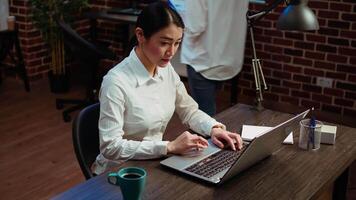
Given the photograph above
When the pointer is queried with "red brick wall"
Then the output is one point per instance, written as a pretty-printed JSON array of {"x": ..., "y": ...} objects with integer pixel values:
[
  {"x": 33, "y": 48},
  {"x": 110, "y": 32},
  {"x": 293, "y": 60}
]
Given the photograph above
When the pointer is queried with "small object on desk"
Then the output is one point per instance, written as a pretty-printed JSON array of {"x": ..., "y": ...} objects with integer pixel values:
[
  {"x": 132, "y": 181},
  {"x": 249, "y": 132},
  {"x": 328, "y": 134},
  {"x": 310, "y": 134},
  {"x": 125, "y": 11}
]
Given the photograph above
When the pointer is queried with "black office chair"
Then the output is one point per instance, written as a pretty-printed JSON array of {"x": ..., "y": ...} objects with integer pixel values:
[
  {"x": 89, "y": 56},
  {"x": 86, "y": 138}
]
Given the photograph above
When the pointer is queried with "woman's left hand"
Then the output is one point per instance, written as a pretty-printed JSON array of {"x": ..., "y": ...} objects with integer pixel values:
[{"x": 220, "y": 136}]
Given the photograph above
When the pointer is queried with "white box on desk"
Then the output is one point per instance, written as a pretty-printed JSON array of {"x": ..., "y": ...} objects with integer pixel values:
[{"x": 328, "y": 134}]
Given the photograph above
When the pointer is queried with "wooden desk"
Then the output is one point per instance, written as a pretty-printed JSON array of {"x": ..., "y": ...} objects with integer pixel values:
[{"x": 290, "y": 173}]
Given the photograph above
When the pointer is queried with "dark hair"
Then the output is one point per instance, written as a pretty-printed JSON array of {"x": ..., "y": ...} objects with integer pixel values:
[{"x": 155, "y": 17}]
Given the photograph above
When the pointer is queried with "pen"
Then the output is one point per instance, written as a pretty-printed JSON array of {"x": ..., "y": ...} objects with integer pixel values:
[{"x": 312, "y": 128}]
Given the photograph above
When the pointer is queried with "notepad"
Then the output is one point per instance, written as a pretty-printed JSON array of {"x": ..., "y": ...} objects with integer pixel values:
[{"x": 249, "y": 132}]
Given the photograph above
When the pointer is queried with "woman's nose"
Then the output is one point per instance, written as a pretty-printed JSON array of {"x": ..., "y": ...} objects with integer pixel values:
[{"x": 171, "y": 51}]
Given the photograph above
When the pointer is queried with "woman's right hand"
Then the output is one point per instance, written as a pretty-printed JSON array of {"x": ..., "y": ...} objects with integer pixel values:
[{"x": 185, "y": 142}]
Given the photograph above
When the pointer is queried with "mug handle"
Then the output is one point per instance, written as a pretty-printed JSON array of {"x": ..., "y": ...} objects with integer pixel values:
[{"x": 112, "y": 176}]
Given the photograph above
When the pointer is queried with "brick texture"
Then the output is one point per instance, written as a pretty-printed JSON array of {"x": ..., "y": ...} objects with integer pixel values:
[{"x": 304, "y": 56}]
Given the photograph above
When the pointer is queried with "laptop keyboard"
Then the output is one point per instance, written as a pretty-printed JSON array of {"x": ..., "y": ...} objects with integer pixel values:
[{"x": 215, "y": 163}]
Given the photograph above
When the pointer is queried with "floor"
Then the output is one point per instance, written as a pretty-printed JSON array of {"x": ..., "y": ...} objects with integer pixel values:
[{"x": 37, "y": 160}]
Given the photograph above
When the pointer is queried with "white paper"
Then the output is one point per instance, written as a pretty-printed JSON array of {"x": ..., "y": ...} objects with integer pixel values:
[{"x": 249, "y": 132}]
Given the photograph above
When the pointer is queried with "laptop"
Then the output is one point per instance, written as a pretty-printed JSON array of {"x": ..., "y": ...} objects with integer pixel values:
[{"x": 216, "y": 165}]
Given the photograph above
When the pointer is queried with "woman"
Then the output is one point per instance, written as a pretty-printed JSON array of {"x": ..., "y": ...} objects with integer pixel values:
[{"x": 139, "y": 96}]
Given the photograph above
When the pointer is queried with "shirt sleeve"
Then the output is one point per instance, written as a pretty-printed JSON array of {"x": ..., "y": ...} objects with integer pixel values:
[
  {"x": 196, "y": 15},
  {"x": 188, "y": 111},
  {"x": 112, "y": 144}
]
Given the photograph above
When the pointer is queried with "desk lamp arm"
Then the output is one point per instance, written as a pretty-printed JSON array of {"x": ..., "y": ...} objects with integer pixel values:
[
  {"x": 260, "y": 82},
  {"x": 252, "y": 16}
]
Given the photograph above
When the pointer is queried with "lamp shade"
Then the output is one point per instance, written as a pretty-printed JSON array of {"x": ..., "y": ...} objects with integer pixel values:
[{"x": 297, "y": 16}]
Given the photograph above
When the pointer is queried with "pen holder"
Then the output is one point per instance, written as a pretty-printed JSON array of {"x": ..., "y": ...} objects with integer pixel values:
[{"x": 309, "y": 136}]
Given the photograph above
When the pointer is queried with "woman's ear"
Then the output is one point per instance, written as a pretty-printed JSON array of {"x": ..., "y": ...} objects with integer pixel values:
[{"x": 139, "y": 35}]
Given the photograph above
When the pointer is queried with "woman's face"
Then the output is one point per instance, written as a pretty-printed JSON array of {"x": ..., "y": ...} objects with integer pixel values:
[{"x": 161, "y": 46}]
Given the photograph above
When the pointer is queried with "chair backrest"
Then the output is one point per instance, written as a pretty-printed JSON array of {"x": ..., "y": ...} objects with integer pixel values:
[
  {"x": 81, "y": 48},
  {"x": 88, "y": 54},
  {"x": 6, "y": 43},
  {"x": 86, "y": 138}
]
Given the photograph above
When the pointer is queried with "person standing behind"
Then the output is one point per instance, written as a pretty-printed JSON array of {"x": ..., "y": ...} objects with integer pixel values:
[{"x": 213, "y": 46}]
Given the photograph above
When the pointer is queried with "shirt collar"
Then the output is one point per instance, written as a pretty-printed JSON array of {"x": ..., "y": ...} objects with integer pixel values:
[{"x": 142, "y": 75}]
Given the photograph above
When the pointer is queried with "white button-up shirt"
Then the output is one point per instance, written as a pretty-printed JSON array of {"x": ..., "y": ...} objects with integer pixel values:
[
  {"x": 135, "y": 109},
  {"x": 214, "y": 37}
]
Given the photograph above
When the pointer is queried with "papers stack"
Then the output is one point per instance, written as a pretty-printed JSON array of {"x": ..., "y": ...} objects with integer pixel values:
[{"x": 250, "y": 132}]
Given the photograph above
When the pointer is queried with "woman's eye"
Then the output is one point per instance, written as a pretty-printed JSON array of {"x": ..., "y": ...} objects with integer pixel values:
[{"x": 164, "y": 43}]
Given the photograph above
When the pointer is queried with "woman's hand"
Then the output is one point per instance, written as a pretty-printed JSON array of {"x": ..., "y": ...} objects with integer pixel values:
[
  {"x": 220, "y": 136},
  {"x": 186, "y": 142}
]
